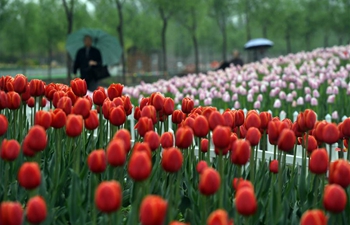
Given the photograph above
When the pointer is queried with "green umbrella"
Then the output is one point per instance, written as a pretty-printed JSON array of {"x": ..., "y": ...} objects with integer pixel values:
[{"x": 107, "y": 44}]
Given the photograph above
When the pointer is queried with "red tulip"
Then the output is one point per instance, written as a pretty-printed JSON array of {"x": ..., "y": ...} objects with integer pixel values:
[
  {"x": 124, "y": 135},
  {"x": 144, "y": 102},
  {"x": 314, "y": 217},
  {"x": 178, "y": 116},
  {"x": 319, "y": 161},
  {"x": 3, "y": 124},
  {"x": 184, "y": 137},
  {"x": 140, "y": 166},
  {"x": 36, "y": 210},
  {"x": 150, "y": 112},
  {"x": 216, "y": 119},
  {"x": 330, "y": 133},
  {"x": 92, "y": 122},
  {"x": 235, "y": 182},
  {"x": 252, "y": 120},
  {"x": 108, "y": 196},
  {"x": 152, "y": 139},
  {"x": 253, "y": 136},
  {"x": 243, "y": 184},
  {"x": 74, "y": 125},
  {"x": 153, "y": 210},
  {"x": 209, "y": 181},
  {"x": 265, "y": 118},
  {"x": 221, "y": 137},
  {"x": 99, "y": 96},
  {"x": 3, "y": 100},
  {"x": 167, "y": 140},
  {"x": 58, "y": 118},
  {"x": 144, "y": 125},
  {"x": 11, "y": 213},
  {"x": 245, "y": 201},
  {"x": 106, "y": 107},
  {"x": 65, "y": 103},
  {"x": 37, "y": 88},
  {"x": 97, "y": 161},
  {"x": 9, "y": 150},
  {"x": 219, "y": 217},
  {"x": 334, "y": 198},
  {"x": 187, "y": 105},
  {"x": 240, "y": 152},
  {"x": 137, "y": 113},
  {"x": 201, "y": 166},
  {"x": 116, "y": 153},
  {"x": 20, "y": 83},
  {"x": 346, "y": 128},
  {"x": 82, "y": 107},
  {"x": 229, "y": 119},
  {"x": 168, "y": 106},
  {"x": 239, "y": 118},
  {"x": 29, "y": 176},
  {"x": 204, "y": 145},
  {"x": 117, "y": 116},
  {"x": 115, "y": 90},
  {"x": 339, "y": 173},
  {"x": 157, "y": 100},
  {"x": 79, "y": 87},
  {"x": 50, "y": 91},
  {"x": 13, "y": 100},
  {"x": 43, "y": 118},
  {"x": 274, "y": 166},
  {"x": 172, "y": 160},
  {"x": 286, "y": 140},
  {"x": 36, "y": 138}
]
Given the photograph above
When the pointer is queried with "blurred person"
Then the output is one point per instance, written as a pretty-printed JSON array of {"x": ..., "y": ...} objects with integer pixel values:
[
  {"x": 87, "y": 59},
  {"x": 235, "y": 61}
]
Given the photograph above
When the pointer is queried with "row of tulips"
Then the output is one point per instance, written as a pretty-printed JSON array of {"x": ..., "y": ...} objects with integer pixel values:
[
  {"x": 317, "y": 80},
  {"x": 76, "y": 162}
]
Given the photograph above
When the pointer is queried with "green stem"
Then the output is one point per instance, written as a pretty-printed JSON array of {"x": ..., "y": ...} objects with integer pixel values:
[
  {"x": 348, "y": 155},
  {"x": 208, "y": 150},
  {"x": 330, "y": 153},
  {"x": 222, "y": 175},
  {"x": 251, "y": 165},
  {"x": 263, "y": 148},
  {"x": 7, "y": 179},
  {"x": 275, "y": 152},
  {"x": 317, "y": 184},
  {"x": 100, "y": 128},
  {"x": 294, "y": 157}
]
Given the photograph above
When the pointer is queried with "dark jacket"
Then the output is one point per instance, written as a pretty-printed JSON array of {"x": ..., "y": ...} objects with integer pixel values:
[
  {"x": 82, "y": 62},
  {"x": 235, "y": 62}
]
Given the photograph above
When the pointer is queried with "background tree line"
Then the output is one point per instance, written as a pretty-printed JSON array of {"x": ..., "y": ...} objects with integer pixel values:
[{"x": 188, "y": 31}]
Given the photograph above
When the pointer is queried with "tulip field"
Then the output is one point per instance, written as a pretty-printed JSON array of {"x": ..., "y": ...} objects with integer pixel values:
[{"x": 181, "y": 151}]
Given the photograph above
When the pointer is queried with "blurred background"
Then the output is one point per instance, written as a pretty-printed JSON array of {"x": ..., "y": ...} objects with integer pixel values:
[{"x": 163, "y": 38}]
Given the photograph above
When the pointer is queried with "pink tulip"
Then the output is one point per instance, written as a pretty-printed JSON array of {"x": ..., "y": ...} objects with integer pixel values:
[
  {"x": 300, "y": 101},
  {"x": 237, "y": 105},
  {"x": 256, "y": 105},
  {"x": 331, "y": 99},
  {"x": 277, "y": 103},
  {"x": 335, "y": 115},
  {"x": 314, "y": 101}
]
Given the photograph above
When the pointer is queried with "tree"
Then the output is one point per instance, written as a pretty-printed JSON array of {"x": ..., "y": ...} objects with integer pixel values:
[
  {"x": 69, "y": 11},
  {"x": 52, "y": 29},
  {"x": 166, "y": 10},
  {"x": 189, "y": 18},
  {"x": 221, "y": 11}
]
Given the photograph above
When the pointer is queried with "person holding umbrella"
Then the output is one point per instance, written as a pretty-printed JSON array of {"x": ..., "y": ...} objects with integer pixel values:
[{"x": 87, "y": 59}]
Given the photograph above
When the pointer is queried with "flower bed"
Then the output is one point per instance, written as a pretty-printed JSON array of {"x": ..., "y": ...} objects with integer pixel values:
[
  {"x": 317, "y": 80},
  {"x": 75, "y": 161}
]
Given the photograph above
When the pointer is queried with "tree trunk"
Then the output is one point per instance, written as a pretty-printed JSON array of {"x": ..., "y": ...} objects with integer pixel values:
[
  {"x": 120, "y": 31},
  {"x": 196, "y": 54},
  {"x": 288, "y": 42},
  {"x": 164, "y": 56},
  {"x": 340, "y": 40},
  {"x": 224, "y": 41},
  {"x": 325, "y": 40},
  {"x": 249, "y": 36},
  {"x": 49, "y": 62},
  {"x": 264, "y": 30},
  {"x": 69, "y": 16}
]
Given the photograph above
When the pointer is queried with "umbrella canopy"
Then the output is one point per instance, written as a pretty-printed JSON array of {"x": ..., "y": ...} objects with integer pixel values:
[
  {"x": 258, "y": 43},
  {"x": 107, "y": 44}
]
